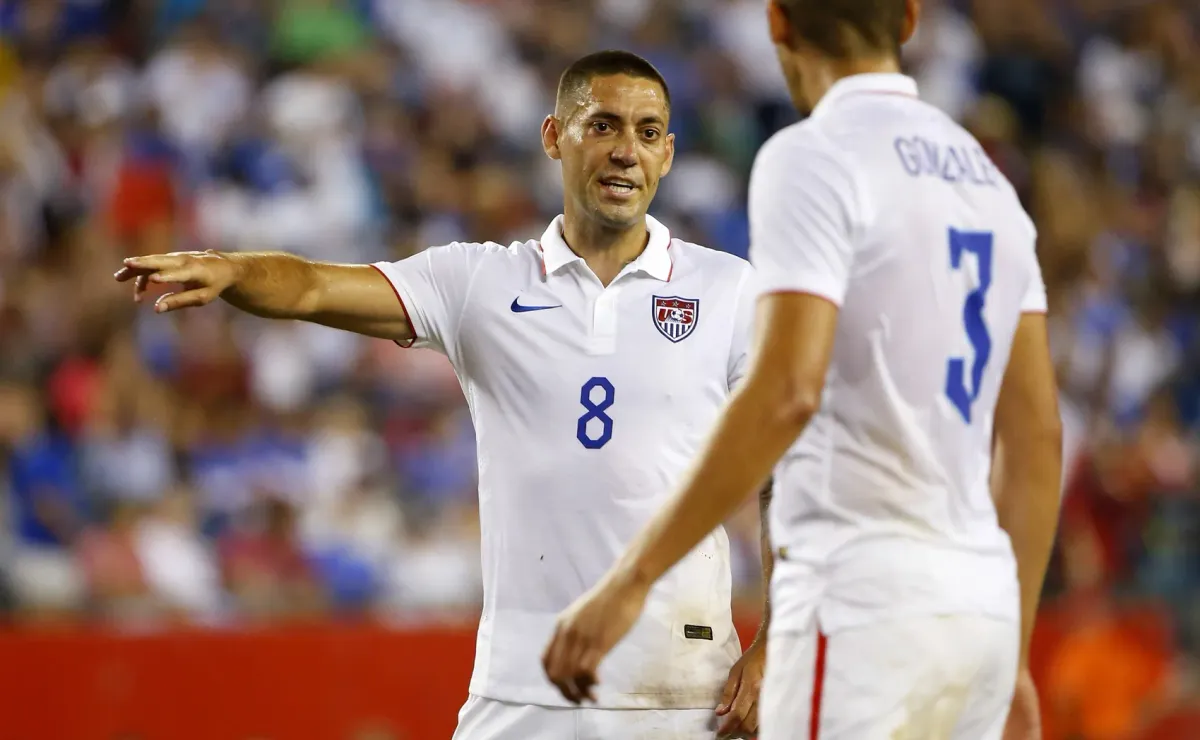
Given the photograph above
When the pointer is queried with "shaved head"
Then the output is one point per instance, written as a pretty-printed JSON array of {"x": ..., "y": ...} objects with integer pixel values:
[
  {"x": 576, "y": 80},
  {"x": 846, "y": 28}
]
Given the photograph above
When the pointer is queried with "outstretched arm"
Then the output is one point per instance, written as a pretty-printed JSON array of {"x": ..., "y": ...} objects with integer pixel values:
[{"x": 276, "y": 285}]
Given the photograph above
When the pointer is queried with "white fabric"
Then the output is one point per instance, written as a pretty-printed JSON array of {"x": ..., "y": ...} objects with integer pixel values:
[
  {"x": 555, "y": 514},
  {"x": 488, "y": 719},
  {"x": 877, "y": 203},
  {"x": 933, "y": 678}
]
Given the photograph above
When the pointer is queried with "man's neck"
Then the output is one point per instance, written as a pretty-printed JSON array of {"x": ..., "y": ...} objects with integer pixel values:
[
  {"x": 605, "y": 250},
  {"x": 822, "y": 73}
]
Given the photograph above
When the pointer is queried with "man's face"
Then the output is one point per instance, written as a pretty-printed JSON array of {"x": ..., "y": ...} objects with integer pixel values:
[{"x": 614, "y": 148}]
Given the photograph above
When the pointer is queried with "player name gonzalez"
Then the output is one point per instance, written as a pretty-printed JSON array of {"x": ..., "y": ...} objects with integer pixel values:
[{"x": 922, "y": 157}]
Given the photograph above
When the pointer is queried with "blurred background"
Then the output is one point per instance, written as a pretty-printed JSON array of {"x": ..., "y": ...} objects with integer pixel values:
[{"x": 271, "y": 527}]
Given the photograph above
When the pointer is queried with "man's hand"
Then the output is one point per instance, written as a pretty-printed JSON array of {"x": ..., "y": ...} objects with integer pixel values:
[
  {"x": 1024, "y": 717},
  {"x": 739, "y": 700},
  {"x": 203, "y": 276},
  {"x": 587, "y": 631}
]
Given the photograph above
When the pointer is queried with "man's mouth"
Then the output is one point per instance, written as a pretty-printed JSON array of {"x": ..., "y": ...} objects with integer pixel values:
[{"x": 618, "y": 186}]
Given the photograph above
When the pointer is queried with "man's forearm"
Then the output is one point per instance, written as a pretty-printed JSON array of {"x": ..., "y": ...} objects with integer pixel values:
[
  {"x": 272, "y": 285},
  {"x": 768, "y": 556},
  {"x": 755, "y": 431},
  {"x": 1028, "y": 498}
]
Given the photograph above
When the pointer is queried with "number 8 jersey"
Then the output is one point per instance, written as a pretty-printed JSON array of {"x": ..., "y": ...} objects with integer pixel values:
[
  {"x": 887, "y": 208},
  {"x": 589, "y": 403}
]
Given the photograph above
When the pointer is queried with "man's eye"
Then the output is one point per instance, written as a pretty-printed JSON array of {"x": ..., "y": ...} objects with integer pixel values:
[
  {"x": 602, "y": 127},
  {"x": 650, "y": 133}
]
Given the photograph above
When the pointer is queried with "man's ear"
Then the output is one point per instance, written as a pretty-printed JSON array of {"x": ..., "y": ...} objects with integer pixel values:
[
  {"x": 551, "y": 129},
  {"x": 778, "y": 26},
  {"x": 670, "y": 155},
  {"x": 912, "y": 15}
]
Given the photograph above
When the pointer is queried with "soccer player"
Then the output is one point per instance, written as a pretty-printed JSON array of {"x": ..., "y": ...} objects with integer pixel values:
[
  {"x": 594, "y": 360},
  {"x": 899, "y": 336}
]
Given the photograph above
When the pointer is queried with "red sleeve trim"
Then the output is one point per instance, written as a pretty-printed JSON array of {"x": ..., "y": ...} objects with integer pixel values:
[{"x": 407, "y": 319}]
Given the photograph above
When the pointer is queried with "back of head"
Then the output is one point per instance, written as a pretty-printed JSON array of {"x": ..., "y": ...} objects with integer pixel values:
[
  {"x": 576, "y": 79},
  {"x": 844, "y": 29}
]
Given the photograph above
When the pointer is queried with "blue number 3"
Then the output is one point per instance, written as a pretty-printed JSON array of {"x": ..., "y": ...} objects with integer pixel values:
[
  {"x": 978, "y": 243},
  {"x": 596, "y": 411}
]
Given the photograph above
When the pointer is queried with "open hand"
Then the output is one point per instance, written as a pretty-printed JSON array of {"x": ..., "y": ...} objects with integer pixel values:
[{"x": 202, "y": 275}]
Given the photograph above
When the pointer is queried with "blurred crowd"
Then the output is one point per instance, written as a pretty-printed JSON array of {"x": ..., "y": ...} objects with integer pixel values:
[{"x": 218, "y": 469}]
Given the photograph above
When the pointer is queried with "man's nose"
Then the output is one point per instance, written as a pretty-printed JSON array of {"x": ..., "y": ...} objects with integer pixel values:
[{"x": 624, "y": 153}]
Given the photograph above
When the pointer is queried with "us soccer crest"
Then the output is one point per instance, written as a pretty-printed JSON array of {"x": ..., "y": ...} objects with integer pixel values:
[{"x": 676, "y": 317}]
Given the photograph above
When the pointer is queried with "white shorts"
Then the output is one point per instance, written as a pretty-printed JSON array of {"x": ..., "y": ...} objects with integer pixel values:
[
  {"x": 926, "y": 678},
  {"x": 489, "y": 719}
]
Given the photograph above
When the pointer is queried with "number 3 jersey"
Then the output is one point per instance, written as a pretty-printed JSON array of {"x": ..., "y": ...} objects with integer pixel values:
[
  {"x": 884, "y": 206},
  {"x": 589, "y": 403}
]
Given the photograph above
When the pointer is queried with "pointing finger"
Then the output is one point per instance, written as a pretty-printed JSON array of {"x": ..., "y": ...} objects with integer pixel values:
[
  {"x": 179, "y": 275},
  {"x": 154, "y": 262}
]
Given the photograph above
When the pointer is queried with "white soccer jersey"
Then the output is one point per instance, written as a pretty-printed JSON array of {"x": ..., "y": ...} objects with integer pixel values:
[
  {"x": 886, "y": 207},
  {"x": 589, "y": 403}
]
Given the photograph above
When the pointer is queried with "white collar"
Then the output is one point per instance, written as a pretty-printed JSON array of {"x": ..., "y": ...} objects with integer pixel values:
[
  {"x": 655, "y": 259},
  {"x": 877, "y": 83}
]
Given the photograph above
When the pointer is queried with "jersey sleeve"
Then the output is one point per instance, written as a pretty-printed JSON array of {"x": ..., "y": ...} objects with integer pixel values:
[
  {"x": 1034, "y": 299},
  {"x": 432, "y": 287},
  {"x": 803, "y": 215},
  {"x": 743, "y": 327}
]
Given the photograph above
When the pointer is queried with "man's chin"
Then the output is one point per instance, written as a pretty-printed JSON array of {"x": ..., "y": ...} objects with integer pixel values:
[{"x": 619, "y": 216}]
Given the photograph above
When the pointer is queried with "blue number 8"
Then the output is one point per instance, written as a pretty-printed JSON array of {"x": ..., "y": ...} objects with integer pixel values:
[
  {"x": 978, "y": 243},
  {"x": 595, "y": 411}
]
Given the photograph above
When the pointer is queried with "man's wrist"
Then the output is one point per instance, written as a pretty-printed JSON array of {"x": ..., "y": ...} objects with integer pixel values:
[
  {"x": 632, "y": 577},
  {"x": 237, "y": 266},
  {"x": 760, "y": 637}
]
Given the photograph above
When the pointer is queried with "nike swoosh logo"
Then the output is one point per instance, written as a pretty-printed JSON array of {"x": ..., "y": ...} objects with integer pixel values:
[{"x": 518, "y": 308}]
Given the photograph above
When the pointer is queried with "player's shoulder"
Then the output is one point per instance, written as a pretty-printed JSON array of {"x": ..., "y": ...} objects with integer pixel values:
[
  {"x": 490, "y": 251},
  {"x": 691, "y": 259},
  {"x": 1009, "y": 203},
  {"x": 798, "y": 141},
  {"x": 802, "y": 151}
]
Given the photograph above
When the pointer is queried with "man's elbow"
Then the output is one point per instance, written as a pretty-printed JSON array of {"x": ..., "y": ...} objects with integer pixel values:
[
  {"x": 310, "y": 299},
  {"x": 1031, "y": 441},
  {"x": 797, "y": 404}
]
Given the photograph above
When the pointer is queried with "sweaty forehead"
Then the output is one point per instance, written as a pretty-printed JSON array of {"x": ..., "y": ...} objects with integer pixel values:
[{"x": 621, "y": 95}]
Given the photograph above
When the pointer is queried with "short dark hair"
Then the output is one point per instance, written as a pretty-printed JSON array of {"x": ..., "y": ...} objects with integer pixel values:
[
  {"x": 846, "y": 28},
  {"x": 576, "y": 78}
]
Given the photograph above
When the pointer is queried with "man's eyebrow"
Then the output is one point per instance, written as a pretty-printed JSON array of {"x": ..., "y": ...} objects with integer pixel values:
[{"x": 614, "y": 118}]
